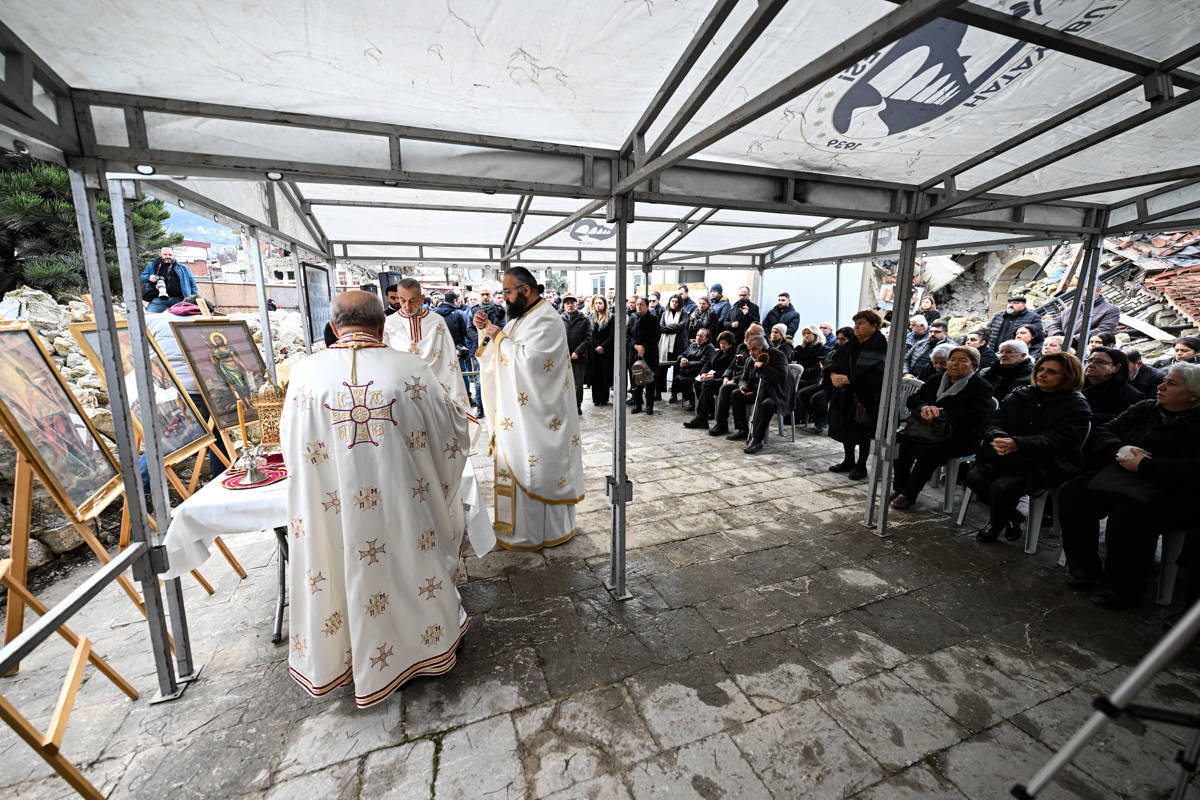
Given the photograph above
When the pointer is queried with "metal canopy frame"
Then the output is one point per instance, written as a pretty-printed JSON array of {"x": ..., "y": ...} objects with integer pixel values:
[{"x": 624, "y": 183}]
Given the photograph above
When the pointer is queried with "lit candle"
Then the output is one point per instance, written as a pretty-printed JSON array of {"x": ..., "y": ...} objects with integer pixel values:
[{"x": 242, "y": 424}]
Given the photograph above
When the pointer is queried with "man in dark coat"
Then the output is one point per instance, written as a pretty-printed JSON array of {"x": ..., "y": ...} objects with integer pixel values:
[
  {"x": 695, "y": 359},
  {"x": 742, "y": 315},
  {"x": 1142, "y": 376},
  {"x": 1105, "y": 317},
  {"x": 979, "y": 340},
  {"x": 689, "y": 305},
  {"x": 783, "y": 312},
  {"x": 709, "y": 383},
  {"x": 1004, "y": 325},
  {"x": 719, "y": 303},
  {"x": 494, "y": 311},
  {"x": 765, "y": 378},
  {"x": 729, "y": 386},
  {"x": 579, "y": 342},
  {"x": 643, "y": 343}
]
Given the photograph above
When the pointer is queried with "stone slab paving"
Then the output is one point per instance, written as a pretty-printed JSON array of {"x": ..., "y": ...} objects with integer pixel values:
[{"x": 773, "y": 648}]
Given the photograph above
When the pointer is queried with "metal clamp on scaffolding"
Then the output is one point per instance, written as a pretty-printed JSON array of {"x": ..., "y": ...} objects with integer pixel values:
[{"x": 617, "y": 494}]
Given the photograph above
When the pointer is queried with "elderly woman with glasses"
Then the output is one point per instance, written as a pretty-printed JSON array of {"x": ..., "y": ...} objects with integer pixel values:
[
  {"x": 1013, "y": 369},
  {"x": 1032, "y": 442},
  {"x": 1106, "y": 384},
  {"x": 960, "y": 397},
  {"x": 1143, "y": 469}
]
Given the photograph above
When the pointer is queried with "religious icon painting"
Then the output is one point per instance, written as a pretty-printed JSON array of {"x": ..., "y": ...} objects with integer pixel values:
[
  {"x": 226, "y": 364},
  {"x": 45, "y": 422},
  {"x": 180, "y": 425}
]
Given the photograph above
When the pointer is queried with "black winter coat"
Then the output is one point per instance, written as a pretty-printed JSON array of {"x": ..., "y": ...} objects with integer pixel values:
[
  {"x": 863, "y": 363},
  {"x": 709, "y": 319},
  {"x": 744, "y": 320},
  {"x": 644, "y": 330},
  {"x": 579, "y": 336},
  {"x": 1109, "y": 399},
  {"x": 773, "y": 375},
  {"x": 1003, "y": 326},
  {"x": 1171, "y": 438},
  {"x": 699, "y": 358},
  {"x": 1147, "y": 380},
  {"x": 809, "y": 356},
  {"x": 1003, "y": 380},
  {"x": 967, "y": 411},
  {"x": 722, "y": 360},
  {"x": 788, "y": 316},
  {"x": 1049, "y": 429},
  {"x": 600, "y": 365}
]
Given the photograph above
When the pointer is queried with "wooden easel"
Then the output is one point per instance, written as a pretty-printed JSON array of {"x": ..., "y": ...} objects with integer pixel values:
[
  {"x": 47, "y": 744},
  {"x": 14, "y": 621}
]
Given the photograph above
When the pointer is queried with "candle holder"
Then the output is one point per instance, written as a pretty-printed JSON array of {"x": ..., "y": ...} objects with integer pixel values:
[{"x": 251, "y": 460}]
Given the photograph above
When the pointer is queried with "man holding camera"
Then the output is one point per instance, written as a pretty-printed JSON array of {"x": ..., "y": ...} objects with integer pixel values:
[{"x": 166, "y": 282}]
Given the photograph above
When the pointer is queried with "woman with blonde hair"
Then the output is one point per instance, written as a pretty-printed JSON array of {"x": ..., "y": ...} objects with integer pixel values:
[{"x": 600, "y": 365}]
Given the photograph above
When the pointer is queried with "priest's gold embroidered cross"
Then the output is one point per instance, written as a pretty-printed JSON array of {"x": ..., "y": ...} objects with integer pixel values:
[
  {"x": 432, "y": 635},
  {"x": 299, "y": 645},
  {"x": 365, "y": 422},
  {"x": 421, "y": 489},
  {"x": 377, "y": 604},
  {"x": 381, "y": 660},
  {"x": 316, "y": 452},
  {"x": 334, "y": 502},
  {"x": 555, "y": 424},
  {"x": 367, "y": 498},
  {"x": 428, "y": 540},
  {"x": 333, "y": 624},
  {"x": 296, "y": 527},
  {"x": 416, "y": 387},
  {"x": 430, "y": 589},
  {"x": 522, "y": 398},
  {"x": 575, "y": 440},
  {"x": 533, "y": 460},
  {"x": 314, "y": 583},
  {"x": 372, "y": 552},
  {"x": 506, "y": 423},
  {"x": 452, "y": 448},
  {"x": 548, "y": 365}
]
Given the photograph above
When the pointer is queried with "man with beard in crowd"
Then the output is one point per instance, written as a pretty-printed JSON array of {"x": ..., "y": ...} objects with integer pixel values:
[
  {"x": 783, "y": 312},
  {"x": 579, "y": 342},
  {"x": 917, "y": 359},
  {"x": 1004, "y": 324},
  {"x": 644, "y": 332},
  {"x": 393, "y": 299},
  {"x": 742, "y": 315},
  {"x": 689, "y": 305},
  {"x": 719, "y": 303},
  {"x": 729, "y": 385}
]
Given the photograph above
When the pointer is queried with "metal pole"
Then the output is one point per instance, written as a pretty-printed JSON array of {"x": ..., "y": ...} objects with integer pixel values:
[
  {"x": 837, "y": 292},
  {"x": 885, "y": 425},
  {"x": 1088, "y": 301},
  {"x": 620, "y": 489},
  {"x": 83, "y": 191},
  {"x": 260, "y": 284},
  {"x": 120, "y": 192},
  {"x": 302, "y": 291}
]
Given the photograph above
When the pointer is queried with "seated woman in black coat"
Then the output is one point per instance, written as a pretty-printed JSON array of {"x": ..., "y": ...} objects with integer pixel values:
[
  {"x": 1144, "y": 466},
  {"x": 1012, "y": 370},
  {"x": 1106, "y": 384},
  {"x": 815, "y": 387},
  {"x": 960, "y": 397},
  {"x": 1032, "y": 442},
  {"x": 856, "y": 375}
]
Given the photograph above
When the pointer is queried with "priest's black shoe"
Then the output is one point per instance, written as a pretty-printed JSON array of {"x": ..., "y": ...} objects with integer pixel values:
[
  {"x": 696, "y": 422},
  {"x": 752, "y": 448},
  {"x": 988, "y": 533},
  {"x": 720, "y": 430},
  {"x": 736, "y": 435},
  {"x": 845, "y": 466}
]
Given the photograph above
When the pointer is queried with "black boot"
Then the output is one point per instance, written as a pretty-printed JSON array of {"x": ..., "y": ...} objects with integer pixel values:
[
  {"x": 720, "y": 429},
  {"x": 696, "y": 422}
]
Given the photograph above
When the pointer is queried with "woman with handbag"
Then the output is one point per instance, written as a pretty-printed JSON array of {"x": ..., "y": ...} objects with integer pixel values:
[
  {"x": 1034, "y": 441},
  {"x": 857, "y": 380},
  {"x": 1144, "y": 466},
  {"x": 946, "y": 419}
]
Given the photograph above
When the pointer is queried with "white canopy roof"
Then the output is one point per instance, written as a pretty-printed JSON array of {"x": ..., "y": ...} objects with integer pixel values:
[{"x": 373, "y": 130}]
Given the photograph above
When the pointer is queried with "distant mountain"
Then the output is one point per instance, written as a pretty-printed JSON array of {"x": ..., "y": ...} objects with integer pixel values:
[{"x": 200, "y": 229}]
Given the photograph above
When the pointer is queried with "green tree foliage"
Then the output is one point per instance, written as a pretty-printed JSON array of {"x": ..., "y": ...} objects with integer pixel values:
[{"x": 39, "y": 240}]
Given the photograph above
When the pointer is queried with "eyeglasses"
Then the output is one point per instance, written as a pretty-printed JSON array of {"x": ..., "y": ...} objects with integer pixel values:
[{"x": 1099, "y": 362}]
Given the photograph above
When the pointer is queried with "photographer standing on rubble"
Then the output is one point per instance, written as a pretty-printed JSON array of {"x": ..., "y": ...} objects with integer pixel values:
[{"x": 166, "y": 282}]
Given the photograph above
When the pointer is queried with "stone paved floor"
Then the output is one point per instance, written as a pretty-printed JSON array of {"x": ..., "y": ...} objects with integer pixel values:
[{"x": 774, "y": 648}]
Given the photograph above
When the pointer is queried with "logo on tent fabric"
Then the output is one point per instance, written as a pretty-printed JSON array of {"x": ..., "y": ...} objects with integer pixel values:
[
  {"x": 935, "y": 75},
  {"x": 588, "y": 231}
]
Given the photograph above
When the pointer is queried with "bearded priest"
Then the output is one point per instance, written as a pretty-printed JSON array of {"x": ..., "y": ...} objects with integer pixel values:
[
  {"x": 529, "y": 395},
  {"x": 374, "y": 448},
  {"x": 417, "y": 330}
]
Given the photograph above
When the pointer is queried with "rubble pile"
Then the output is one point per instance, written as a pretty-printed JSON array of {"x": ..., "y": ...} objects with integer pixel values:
[{"x": 52, "y": 535}]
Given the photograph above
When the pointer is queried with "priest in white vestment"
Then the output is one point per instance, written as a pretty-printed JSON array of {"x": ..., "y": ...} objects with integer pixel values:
[
  {"x": 374, "y": 449},
  {"x": 529, "y": 396},
  {"x": 417, "y": 330}
]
